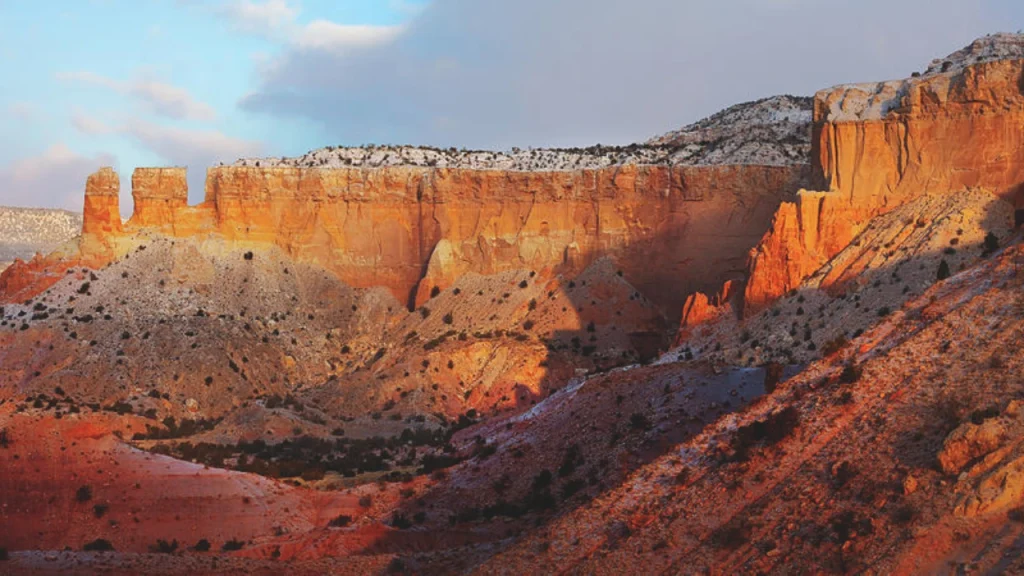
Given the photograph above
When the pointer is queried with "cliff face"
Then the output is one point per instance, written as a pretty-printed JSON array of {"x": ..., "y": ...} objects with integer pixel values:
[
  {"x": 671, "y": 230},
  {"x": 878, "y": 146}
]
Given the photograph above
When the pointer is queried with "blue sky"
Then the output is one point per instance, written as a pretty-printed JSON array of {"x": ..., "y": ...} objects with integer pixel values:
[
  {"x": 193, "y": 82},
  {"x": 152, "y": 82}
]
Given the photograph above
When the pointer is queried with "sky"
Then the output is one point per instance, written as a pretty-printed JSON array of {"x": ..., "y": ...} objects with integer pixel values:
[{"x": 129, "y": 83}]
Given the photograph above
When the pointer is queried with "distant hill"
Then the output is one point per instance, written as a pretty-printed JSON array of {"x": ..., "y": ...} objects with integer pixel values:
[{"x": 25, "y": 231}]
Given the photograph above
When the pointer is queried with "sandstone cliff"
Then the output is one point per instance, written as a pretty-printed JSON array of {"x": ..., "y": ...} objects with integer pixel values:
[
  {"x": 670, "y": 229},
  {"x": 878, "y": 146}
]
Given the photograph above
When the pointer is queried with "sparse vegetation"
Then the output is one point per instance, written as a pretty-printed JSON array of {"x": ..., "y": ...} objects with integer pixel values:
[
  {"x": 84, "y": 494},
  {"x": 99, "y": 545},
  {"x": 767, "y": 432},
  {"x": 202, "y": 546}
]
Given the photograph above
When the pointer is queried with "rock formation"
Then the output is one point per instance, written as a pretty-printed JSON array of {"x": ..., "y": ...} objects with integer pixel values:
[
  {"x": 670, "y": 229},
  {"x": 877, "y": 146}
]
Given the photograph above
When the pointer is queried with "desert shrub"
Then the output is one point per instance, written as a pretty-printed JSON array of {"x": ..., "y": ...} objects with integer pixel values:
[
  {"x": 365, "y": 501},
  {"x": 164, "y": 547},
  {"x": 1016, "y": 514},
  {"x": 638, "y": 421},
  {"x": 884, "y": 311},
  {"x": 448, "y": 318},
  {"x": 850, "y": 374},
  {"x": 99, "y": 545},
  {"x": 100, "y": 510},
  {"x": 979, "y": 416},
  {"x": 232, "y": 545},
  {"x": 770, "y": 431},
  {"x": 340, "y": 521},
  {"x": 202, "y": 546},
  {"x": 991, "y": 244},
  {"x": 400, "y": 521},
  {"x": 84, "y": 288},
  {"x": 904, "y": 514},
  {"x": 528, "y": 325},
  {"x": 524, "y": 284},
  {"x": 84, "y": 494},
  {"x": 846, "y": 523},
  {"x": 572, "y": 487},
  {"x": 834, "y": 345},
  {"x": 541, "y": 481},
  {"x": 435, "y": 291},
  {"x": 571, "y": 459},
  {"x": 5, "y": 439},
  {"x": 943, "y": 272},
  {"x": 247, "y": 255},
  {"x": 731, "y": 535}
]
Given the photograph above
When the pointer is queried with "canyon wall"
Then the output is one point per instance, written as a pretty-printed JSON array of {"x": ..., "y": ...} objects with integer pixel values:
[
  {"x": 877, "y": 146},
  {"x": 670, "y": 229}
]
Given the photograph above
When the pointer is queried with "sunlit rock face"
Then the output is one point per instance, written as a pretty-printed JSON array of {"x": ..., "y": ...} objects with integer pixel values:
[
  {"x": 670, "y": 229},
  {"x": 877, "y": 146}
]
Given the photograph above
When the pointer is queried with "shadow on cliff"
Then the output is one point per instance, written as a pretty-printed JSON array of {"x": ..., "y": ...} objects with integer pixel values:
[
  {"x": 487, "y": 513},
  {"x": 556, "y": 450}
]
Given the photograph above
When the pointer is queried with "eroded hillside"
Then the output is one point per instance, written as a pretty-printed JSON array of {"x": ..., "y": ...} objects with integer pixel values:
[{"x": 26, "y": 231}]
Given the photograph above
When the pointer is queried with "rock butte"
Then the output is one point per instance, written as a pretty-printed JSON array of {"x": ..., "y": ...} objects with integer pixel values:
[
  {"x": 877, "y": 146},
  {"x": 670, "y": 229}
]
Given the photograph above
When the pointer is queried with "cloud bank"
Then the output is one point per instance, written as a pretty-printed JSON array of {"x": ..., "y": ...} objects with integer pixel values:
[
  {"x": 58, "y": 171},
  {"x": 507, "y": 73}
]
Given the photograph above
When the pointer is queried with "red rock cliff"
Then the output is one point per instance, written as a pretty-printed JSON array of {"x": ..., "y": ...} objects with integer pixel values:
[
  {"x": 877, "y": 146},
  {"x": 672, "y": 230}
]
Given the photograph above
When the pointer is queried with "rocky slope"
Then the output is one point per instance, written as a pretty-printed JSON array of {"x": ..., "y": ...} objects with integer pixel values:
[
  {"x": 877, "y": 146},
  {"x": 769, "y": 132},
  {"x": 898, "y": 454},
  {"x": 26, "y": 231}
]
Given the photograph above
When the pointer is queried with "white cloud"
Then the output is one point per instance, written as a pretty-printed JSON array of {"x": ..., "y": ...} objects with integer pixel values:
[
  {"x": 89, "y": 124},
  {"x": 278, "y": 20},
  {"x": 194, "y": 148},
  {"x": 159, "y": 97},
  {"x": 54, "y": 178},
  {"x": 577, "y": 72},
  {"x": 268, "y": 18},
  {"x": 329, "y": 36}
]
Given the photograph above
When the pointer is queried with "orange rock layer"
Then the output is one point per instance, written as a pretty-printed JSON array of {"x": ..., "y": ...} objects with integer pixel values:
[
  {"x": 878, "y": 146},
  {"x": 671, "y": 230}
]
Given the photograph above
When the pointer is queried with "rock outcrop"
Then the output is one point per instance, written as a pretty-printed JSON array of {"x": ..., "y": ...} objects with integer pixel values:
[
  {"x": 670, "y": 229},
  {"x": 877, "y": 146},
  {"x": 27, "y": 231}
]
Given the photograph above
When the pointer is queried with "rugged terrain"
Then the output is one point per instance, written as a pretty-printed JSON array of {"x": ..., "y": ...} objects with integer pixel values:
[
  {"x": 769, "y": 132},
  {"x": 26, "y": 231},
  {"x": 731, "y": 350}
]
